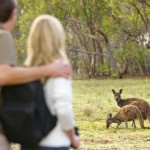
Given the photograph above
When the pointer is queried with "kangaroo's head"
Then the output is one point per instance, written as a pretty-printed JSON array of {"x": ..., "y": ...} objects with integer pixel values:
[
  {"x": 117, "y": 95},
  {"x": 109, "y": 120}
]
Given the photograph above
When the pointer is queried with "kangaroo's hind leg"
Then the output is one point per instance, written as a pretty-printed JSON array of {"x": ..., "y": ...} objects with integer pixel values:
[
  {"x": 148, "y": 118},
  {"x": 133, "y": 124},
  {"x": 126, "y": 124},
  {"x": 148, "y": 114}
]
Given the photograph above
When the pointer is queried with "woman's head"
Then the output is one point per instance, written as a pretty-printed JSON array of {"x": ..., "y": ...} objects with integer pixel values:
[
  {"x": 8, "y": 13},
  {"x": 46, "y": 41}
]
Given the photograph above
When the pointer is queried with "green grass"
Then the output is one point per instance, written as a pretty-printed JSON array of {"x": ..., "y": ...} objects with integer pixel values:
[{"x": 93, "y": 100}]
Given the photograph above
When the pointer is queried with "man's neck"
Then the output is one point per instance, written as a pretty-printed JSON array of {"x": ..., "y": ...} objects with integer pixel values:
[{"x": 5, "y": 26}]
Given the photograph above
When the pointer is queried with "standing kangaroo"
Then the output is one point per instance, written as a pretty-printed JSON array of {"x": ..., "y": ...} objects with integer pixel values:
[
  {"x": 125, "y": 114},
  {"x": 143, "y": 105}
]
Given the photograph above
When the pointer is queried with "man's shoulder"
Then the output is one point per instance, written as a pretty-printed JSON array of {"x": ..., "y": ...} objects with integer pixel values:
[
  {"x": 6, "y": 39},
  {"x": 5, "y": 34},
  {"x": 7, "y": 48}
]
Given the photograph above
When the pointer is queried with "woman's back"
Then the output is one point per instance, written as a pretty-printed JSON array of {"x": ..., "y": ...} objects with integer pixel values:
[{"x": 58, "y": 96}]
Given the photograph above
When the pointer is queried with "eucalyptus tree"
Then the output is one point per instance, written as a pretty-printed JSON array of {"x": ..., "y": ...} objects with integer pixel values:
[
  {"x": 27, "y": 11},
  {"x": 103, "y": 36},
  {"x": 132, "y": 16}
]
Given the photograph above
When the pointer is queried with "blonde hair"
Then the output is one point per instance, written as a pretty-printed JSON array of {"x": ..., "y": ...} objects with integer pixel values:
[{"x": 46, "y": 41}]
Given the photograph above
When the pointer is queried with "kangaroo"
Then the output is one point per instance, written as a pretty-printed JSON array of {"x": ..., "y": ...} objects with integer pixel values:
[
  {"x": 125, "y": 114},
  {"x": 142, "y": 104}
]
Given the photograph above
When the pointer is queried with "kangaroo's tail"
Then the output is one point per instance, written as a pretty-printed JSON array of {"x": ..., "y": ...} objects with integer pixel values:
[{"x": 140, "y": 118}]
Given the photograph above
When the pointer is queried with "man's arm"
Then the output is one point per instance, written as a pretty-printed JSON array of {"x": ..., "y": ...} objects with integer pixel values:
[{"x": 15, "y": 75}]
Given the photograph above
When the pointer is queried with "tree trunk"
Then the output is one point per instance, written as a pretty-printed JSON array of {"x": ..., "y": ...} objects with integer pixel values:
[{"x": 108, "y": 47}]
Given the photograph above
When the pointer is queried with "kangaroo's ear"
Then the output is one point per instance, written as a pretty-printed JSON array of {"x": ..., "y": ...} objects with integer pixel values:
[
  {"x": 113, "y": 91},
  {"x": 109, "y": 116},
  {"x": 120, "y": 91}
]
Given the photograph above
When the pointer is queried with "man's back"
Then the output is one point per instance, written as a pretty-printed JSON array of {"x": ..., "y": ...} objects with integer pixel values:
[{"x": 7, "y": 56}]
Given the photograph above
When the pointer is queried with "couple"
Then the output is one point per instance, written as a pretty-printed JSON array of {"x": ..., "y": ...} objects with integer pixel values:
[{"x": 46, "y": 45}]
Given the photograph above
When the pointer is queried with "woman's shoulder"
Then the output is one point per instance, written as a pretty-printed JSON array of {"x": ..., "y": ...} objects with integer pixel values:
[
  {"x": 59, "y": 86},
  {"x": 59, "y": 79}
]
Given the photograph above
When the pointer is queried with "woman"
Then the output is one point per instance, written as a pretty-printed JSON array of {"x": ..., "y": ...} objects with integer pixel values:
[{"x": 46, "y": 43}]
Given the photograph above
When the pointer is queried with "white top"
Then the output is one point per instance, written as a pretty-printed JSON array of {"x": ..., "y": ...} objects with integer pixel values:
[{"x": 58, "y": 94}]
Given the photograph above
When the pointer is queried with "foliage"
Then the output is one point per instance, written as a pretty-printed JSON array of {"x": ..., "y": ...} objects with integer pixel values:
[
  {"x": 90, "y": 26},
  {"x": 104, "y": 69},
  {"x": 28, "y": 10}
]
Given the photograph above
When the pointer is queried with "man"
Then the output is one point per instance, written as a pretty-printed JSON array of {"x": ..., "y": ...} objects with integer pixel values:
[{"x": 13, "y": 75}]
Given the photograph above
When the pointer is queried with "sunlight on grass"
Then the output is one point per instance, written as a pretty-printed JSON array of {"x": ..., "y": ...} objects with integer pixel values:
[{"x": 93, "y": 100}]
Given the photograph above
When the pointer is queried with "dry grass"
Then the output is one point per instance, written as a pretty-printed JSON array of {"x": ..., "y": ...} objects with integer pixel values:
[{"x": 88, "y": 110}]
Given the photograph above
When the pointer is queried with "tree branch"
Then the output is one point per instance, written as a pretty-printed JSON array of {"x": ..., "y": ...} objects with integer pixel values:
[{"x": 85, "y": 52}]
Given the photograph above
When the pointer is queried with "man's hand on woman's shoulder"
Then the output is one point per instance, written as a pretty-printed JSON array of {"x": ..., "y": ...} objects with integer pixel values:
[{"x": 59, "y": 68}]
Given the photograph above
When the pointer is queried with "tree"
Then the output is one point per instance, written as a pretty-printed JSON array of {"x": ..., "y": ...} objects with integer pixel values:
[{"x": 103, "y": 37}]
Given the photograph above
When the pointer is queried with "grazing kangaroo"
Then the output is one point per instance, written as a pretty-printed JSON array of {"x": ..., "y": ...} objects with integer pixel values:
[
  {"x": 125, "y": 114},
  {"x": 143, "y": 105}
]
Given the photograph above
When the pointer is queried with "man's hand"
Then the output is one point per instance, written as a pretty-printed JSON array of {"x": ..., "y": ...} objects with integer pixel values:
[{"x": 59, "y": 68}]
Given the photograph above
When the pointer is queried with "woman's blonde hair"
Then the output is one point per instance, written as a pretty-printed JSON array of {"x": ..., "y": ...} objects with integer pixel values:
[{"x": 46, "y": 41}]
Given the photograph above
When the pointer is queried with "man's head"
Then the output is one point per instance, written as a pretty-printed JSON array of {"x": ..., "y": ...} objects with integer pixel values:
[{"x": 8, "y": 13}]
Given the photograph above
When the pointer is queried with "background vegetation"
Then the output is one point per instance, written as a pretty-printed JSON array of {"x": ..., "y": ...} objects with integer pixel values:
[{"x": 104, "y": 37}]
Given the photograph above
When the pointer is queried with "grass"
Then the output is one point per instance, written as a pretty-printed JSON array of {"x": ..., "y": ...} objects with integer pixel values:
[{"x": 93, "y": 100}]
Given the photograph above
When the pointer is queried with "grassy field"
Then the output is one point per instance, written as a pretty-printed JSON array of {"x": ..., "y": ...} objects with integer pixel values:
[{"x": 93, "y": 100}]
